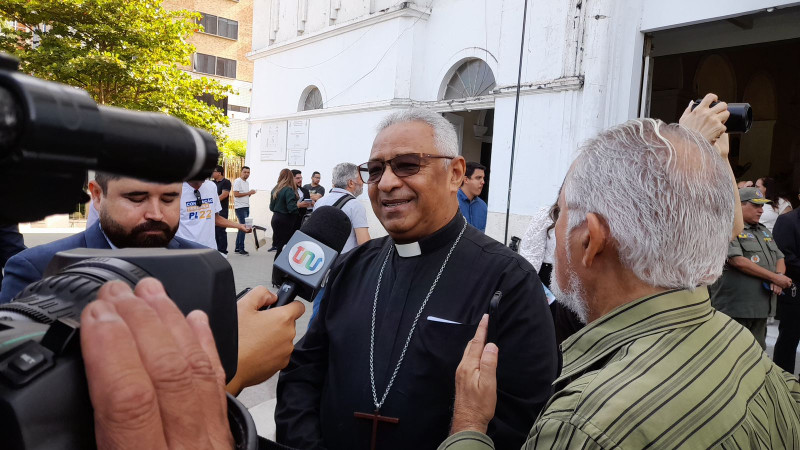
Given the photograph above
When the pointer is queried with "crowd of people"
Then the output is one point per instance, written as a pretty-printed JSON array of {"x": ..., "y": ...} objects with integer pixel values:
[{"x": 648, "y": 243}]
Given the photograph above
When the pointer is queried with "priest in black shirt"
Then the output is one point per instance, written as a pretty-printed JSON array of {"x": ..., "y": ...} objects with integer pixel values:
[{"x": 377, "y": 367}]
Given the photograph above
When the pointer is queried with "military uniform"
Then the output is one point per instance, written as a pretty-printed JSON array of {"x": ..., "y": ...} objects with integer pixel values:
[{"x": 748, "y": 299}]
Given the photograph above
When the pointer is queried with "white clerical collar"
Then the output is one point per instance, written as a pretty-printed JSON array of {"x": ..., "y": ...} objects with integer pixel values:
[{"x": 408, "y": 250}]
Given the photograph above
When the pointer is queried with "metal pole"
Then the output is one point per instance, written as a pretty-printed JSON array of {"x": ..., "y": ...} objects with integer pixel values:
[{"x": 516, "y": 114}]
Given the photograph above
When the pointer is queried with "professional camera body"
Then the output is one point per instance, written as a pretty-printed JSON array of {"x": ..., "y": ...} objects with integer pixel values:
[
  {"x": 44, "y": 401},
  {"x": 50, "y": 135}
]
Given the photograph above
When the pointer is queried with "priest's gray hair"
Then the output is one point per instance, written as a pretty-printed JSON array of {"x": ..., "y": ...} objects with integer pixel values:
[
  {"x": 445, "y": 138},
  {"x": 666, "y": 195},
  {"x": 344, "y": 172}
]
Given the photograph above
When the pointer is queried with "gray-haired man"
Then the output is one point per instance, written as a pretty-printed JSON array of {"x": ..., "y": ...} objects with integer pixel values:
[
  {"x": 347, "y": 183},
  {"x": 656, "y": 366}
]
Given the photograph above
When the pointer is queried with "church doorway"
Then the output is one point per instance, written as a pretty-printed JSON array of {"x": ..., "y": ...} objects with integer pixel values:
[
  {"x": 475, "y": 129},
  {"x": 753, "y": 59},
  {"x": 468, "y": 81}
]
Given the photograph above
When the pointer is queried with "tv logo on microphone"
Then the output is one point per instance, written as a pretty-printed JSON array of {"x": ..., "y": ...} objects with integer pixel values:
[{"x": 306, "y": 258}]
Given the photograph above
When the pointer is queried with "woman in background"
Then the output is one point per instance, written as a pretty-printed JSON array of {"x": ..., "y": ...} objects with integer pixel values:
[
  {"x": 285, "y": 214},
  {"x": 780, "y": 204}
]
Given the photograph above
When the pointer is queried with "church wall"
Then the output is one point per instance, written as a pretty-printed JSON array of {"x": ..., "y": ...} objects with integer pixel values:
[
  {"x": 363, "y": 72},
  {"x": 601, "y": 43}
]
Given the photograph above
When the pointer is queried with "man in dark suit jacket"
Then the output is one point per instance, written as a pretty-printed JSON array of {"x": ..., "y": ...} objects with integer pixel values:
[
  {"x": 787, "y": 236},
  {"x": 133, "y": 213}
]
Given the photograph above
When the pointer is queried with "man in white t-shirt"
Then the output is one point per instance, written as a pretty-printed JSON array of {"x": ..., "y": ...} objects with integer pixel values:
[
  {"x": 241, "y": 205},
  {"x": 200, "y": 209}
]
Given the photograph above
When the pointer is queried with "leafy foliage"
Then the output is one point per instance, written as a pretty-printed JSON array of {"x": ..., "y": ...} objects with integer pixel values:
[
  {"x": 233, "y": 148},
  {"x": 125, "y": 53}
]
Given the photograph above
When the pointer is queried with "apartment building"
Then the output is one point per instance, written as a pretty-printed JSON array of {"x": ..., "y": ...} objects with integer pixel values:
[{"x": 221, "y": 53}]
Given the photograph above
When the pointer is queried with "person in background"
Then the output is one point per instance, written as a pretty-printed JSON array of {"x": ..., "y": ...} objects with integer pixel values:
[
  {"x": 285, "y": 206},
  {"x": 787, "y": 236},
  {"x": 223, "y": 191},
  {"x": 306, "y": 202},
  {"x": 779, "y": 204},
  {"x": 754, "y": 271},
  {"x": 347, "y": 185},
  {"x": 538, "y": 247},
  {"x": 473, "y": 207},
  {"x": 241, "y": 205},
  {"x": 316, "y": 190},
  {"x": 199, "y": 207}
]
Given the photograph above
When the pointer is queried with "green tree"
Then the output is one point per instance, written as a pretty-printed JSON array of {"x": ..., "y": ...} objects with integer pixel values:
[
  {"x": 125, "y": 53},
  {"x": 234, "y": 148}
]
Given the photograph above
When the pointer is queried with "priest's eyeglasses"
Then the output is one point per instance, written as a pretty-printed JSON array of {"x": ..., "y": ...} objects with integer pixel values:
[{"x": 403, "y": 165}]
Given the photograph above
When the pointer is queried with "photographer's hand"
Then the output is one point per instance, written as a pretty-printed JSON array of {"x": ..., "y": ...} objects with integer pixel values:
[
  {"x": 708, "y": 121},
  {"x": 155, "y": 379},
  {"x": 265, "y": 338}
]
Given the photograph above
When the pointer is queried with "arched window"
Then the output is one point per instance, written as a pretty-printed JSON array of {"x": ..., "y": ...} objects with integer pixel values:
[
  {"x": 312, "y": 99},
  {"x": 472, "y": 79}
]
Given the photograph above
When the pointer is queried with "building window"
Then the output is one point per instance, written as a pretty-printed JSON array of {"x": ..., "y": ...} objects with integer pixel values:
[
  {"x": 213, "y": 65},
  {"x": 219, "y": 26},
  {"x": 222, "y": 103},
  {"x": 311, "y": 100},
  {"x": 237, "y": 108},
  {"x": 472, "y": 79}
]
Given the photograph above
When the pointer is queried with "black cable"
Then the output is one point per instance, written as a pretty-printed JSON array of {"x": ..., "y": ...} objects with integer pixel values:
[{"x": 516, "y": 112}]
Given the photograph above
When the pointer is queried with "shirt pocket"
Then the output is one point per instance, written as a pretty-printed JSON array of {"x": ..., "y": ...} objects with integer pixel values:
[
  {"x": 773, "y": 246},
  {"x": 750, "y": 246},
  {"x": 443, "y": 344}
]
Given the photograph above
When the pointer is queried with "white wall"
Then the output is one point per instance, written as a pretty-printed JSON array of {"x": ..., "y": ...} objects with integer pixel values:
[{"x": 366, "y": 67}]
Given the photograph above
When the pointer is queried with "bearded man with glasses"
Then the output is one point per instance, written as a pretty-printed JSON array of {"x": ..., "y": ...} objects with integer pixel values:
[{"x": 376, "y": 367}]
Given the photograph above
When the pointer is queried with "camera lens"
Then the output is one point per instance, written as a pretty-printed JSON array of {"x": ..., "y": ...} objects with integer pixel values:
[
  {"x": 10, "y": 116},
  {"x": 66, "y": 294}
]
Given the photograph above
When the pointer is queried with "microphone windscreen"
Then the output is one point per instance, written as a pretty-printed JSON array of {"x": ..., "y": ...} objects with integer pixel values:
[{"x": 329, "y": 225}]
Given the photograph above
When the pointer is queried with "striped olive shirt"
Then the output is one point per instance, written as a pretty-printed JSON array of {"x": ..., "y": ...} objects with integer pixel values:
[{"x": 666, "y": 371}]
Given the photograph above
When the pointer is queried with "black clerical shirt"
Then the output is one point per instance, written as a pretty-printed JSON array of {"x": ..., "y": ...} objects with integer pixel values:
[{"x": 328, "y": 377}]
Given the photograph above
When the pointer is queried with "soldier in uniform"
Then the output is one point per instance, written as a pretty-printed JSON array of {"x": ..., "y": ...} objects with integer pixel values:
[{"x": 754, "y": 271}]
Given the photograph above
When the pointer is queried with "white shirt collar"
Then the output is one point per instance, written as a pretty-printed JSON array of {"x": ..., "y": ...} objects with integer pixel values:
[{"x": 408, "y": 250}]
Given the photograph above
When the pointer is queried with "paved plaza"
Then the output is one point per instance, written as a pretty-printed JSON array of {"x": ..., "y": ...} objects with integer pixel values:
[{"x": 254, "y": 270}]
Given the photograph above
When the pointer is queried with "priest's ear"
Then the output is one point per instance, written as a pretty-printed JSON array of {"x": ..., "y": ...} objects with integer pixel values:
[{"x": 457, "y": 171}]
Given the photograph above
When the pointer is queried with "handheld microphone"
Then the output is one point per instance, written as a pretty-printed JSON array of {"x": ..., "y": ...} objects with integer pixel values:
[{"x": 310, "y": 253}]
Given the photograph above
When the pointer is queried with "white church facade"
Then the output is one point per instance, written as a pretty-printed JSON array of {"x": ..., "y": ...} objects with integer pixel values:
[{"x": 327, "y": 71}]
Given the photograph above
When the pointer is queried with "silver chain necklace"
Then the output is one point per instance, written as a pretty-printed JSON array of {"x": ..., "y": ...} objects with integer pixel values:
[{"x": 413, "y": 325}]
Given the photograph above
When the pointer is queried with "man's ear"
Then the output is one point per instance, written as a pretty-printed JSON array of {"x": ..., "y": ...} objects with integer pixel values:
[
  {"x": 595, "y": 238},
  {"x": 97, "y": 194},
  {"x": 458, "y": 169}
]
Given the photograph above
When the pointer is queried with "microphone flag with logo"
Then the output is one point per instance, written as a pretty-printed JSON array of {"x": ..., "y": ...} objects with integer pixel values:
[{"x": 308, "y": 256}]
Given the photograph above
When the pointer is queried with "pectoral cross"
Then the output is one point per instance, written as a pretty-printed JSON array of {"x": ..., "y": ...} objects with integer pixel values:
[{"x": 375, "y": 418}]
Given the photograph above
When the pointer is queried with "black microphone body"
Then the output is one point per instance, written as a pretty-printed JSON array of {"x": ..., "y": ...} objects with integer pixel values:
[{"x": 309, "y": 255}]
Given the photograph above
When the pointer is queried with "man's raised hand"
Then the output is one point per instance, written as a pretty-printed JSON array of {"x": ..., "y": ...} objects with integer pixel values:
[{"x": 476, "y": 384}]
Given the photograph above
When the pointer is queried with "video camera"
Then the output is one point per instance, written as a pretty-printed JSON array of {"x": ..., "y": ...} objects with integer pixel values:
[
  {"x": 50, "y": 135},
  {"x": 56, "y": 133}
]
